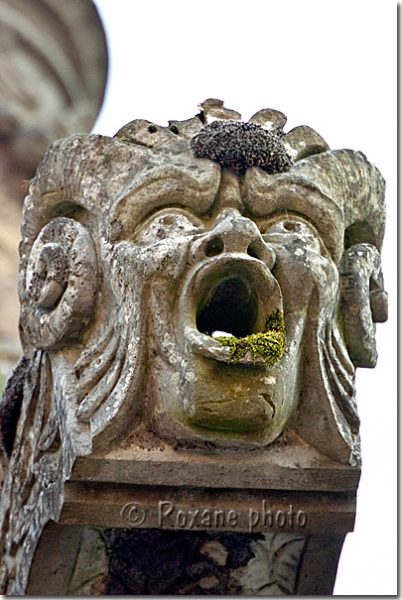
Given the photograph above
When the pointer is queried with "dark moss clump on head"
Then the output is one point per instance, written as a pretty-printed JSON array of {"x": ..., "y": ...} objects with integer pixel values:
[
  {"x": 239, "y": 145},
  {"x": 269, "y": 345}
]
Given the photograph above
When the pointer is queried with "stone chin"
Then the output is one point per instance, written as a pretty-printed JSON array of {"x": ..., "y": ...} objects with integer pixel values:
[{"x": 204, "y": 395}]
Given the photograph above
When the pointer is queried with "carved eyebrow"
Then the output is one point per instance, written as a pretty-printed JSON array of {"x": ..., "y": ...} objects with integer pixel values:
[
  {"x": 283, "y": 215},
  {"x": 167, "y": 211},
  {"x": 271, "y": 194},
  {"x": 159, "y": 187}
]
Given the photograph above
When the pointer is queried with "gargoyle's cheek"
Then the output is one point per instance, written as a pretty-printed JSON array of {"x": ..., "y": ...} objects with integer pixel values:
[
  {"x": 299, "y": 271},
  {"x": 135, "y": 265},
  {"x": 167, "y": 258}
]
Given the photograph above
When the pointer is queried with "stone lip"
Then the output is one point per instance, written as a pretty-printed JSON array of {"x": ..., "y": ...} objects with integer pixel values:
[
  {"x": 210, "y": 348},
  {"x": 200, "y": 287}
]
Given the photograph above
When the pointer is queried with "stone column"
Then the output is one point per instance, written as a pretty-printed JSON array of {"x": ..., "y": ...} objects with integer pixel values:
[
  {"x": 195, "y": 300},
  {"x": 52, "y": 80}
]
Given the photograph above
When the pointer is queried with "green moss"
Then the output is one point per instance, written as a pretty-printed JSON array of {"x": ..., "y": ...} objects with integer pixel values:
[
  {"x": 123, "y": 139},
  {"x": 270, "y": 345}
]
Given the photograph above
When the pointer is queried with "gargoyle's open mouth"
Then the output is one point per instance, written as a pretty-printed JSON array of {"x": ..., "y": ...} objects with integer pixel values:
[
  {"x": 229, "y": 296},
  {"x": 231, "y": 307}
]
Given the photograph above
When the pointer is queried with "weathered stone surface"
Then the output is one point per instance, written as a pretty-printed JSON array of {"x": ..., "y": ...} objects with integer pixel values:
[
  {"x": 148, "y": 461},
  {"x": 56, "y": 556},
  {"x": 194, "y": 326}
]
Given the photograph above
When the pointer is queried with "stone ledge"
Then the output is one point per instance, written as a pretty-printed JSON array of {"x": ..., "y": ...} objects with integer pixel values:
[
  {"x": 295, "y": 466},
  {"x": 168, "y": 507}
]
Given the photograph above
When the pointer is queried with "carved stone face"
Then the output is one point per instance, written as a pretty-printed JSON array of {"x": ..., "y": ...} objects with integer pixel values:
[
  {"x": 232, "y": 273},
  {"x": 211, "y": 302}
]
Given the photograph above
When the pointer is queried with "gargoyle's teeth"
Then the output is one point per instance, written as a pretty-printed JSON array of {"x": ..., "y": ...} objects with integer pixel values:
[{"x": 217, "y": 333}]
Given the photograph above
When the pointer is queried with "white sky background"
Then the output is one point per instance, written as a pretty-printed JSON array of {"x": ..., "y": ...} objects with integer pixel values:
[{"x": 327, "y": 64}]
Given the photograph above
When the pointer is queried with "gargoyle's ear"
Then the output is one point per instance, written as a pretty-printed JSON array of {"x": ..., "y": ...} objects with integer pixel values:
[{"x": 363, "y": 302}]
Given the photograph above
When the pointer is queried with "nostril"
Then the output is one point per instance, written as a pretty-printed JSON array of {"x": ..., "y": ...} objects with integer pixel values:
[
  {"x": 214, "y": 247},
  {"x": 263, "y": 252},
  {"x": 253, "y": 249},
  {"x": 289, "y": 226}
]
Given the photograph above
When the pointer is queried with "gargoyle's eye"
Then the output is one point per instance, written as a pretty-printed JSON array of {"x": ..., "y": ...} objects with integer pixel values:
[
  {"x": 287, "y": 225},
  {"x": 291, "y": 226},
  {"x": 167, "y": 224}
]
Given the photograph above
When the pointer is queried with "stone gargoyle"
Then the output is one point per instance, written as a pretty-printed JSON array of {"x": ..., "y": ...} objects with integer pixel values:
[{"x": 215, "y": 282}]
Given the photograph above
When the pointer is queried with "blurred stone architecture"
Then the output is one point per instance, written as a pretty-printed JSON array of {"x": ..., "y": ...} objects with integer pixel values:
[
  {"x": 195, "y": 300},
  {"x": 54, "y": 62}
]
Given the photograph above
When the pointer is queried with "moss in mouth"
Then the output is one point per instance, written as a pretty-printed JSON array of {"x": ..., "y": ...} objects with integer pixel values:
[{"x": 270, "y": 344}]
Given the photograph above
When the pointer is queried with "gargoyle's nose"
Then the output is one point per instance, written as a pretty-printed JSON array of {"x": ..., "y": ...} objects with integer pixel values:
[{"x": 234, "y": 233}]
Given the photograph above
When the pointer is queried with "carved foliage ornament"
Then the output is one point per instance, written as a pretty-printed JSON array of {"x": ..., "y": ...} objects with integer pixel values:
[{"x": 213, "y": 294}]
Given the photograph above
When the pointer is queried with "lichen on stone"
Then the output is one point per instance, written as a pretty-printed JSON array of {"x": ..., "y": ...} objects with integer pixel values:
[
  {"x": 269, "y": 345},
  {"x": 239, "y": 146}
]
